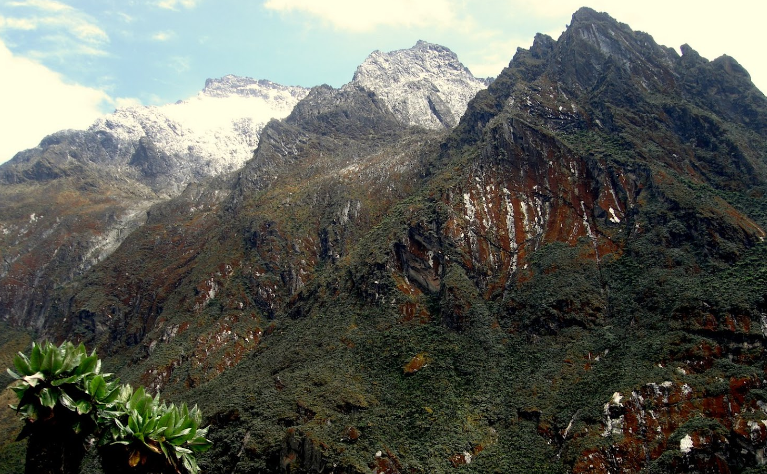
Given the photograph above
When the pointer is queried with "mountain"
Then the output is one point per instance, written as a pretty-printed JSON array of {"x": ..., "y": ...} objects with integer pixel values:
[
  {"x": 571, "y": 279},
  {"x": 70, "y": 202}
]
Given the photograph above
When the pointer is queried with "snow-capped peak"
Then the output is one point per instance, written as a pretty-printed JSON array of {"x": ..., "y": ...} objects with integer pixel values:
[
  {"x": 425, "y": 85},
  {"x": 230, "y": 85},
  {"x": 213, "y": 132}
]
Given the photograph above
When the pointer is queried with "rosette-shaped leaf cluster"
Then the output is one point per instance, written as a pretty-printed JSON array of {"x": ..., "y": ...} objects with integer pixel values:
[
  {"x": 63, "y": 386},
  {"x": 55, "y": 377},
  {"x": 146, "y": 425}
]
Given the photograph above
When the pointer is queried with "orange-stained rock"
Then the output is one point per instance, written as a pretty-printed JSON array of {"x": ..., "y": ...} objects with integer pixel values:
[{"x": 417, "y": 363}]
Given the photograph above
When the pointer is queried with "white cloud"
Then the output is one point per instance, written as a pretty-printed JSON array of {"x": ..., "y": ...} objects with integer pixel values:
[
  {"x": 163, "y": 35},
  {"x": 490, "y": 61},
  {"x": 154, "y": 99},
  {"x": 72, "y": 24},
  {"x": 47, "y": 5},
  {"x": 17, "y": 23},
  {"x": 174, "y": 4},
  {"x": 38, "y": 102},
  {"x": 356, "y": 15},
  {"x": 65, "y": 49},
  {"x": 125, "y": 17},
  {"x": 180, "y": 64},
  {"x": 86, "y": 31},
  {"x": 125, "y": 102},
  {"x": 67, "y": 31}
]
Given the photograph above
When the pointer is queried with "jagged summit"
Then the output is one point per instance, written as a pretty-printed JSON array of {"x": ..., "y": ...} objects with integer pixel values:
[
  {"x": 587, "y": 14},
  {"x": 422, "y": 45},
  {"x": 425, "y": 85},
  {"x": 596, "y": 46},
  {"x": 232, "y": 85}
]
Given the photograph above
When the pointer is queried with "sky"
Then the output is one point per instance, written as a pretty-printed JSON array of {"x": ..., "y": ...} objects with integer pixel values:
[{"x": 64, "y": 63}]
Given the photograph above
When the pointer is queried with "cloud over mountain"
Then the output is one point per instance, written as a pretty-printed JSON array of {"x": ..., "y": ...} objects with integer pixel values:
[{"x": 42, "y": 101}]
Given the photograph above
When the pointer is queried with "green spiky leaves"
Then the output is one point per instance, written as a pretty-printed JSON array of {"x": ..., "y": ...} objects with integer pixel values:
[
  {"x": 65, "y": 382},
  {"x": 171, "y": 430},
  {"x": 63, "y": 376}
]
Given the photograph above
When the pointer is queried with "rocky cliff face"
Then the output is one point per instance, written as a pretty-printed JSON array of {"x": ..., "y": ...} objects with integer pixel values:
[{"x": 570, "y": 280}]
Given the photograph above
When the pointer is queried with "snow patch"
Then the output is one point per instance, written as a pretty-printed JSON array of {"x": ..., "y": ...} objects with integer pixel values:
[
  {"x": 763, "y": 317},
  {"x": 613, "y": 217},
  {"x": 613, "y": 426},
  {"x": 686, "y": 444},
  {"x": 470, "y": 210}
]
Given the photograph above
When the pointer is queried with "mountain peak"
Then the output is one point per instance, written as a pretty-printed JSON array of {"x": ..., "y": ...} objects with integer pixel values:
[
  {"x": 595, "y": 42},
  {"x": 422, "y": 45},
  {"x": 586, "y": 14},
  {"x": 232, "y": 85},
  {"x": 425, "y": 85},
  {"x": 208, "y": 134}
]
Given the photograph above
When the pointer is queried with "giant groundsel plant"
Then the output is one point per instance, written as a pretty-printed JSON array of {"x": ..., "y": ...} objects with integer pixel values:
[
  {"x": 62, "y": 392},
  {"x": 146, "y": 425}
]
